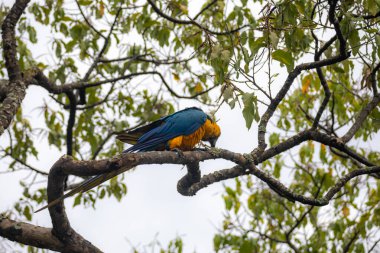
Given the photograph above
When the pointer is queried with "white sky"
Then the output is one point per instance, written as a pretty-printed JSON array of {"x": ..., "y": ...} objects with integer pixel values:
[{"x": 152, "y": 207}]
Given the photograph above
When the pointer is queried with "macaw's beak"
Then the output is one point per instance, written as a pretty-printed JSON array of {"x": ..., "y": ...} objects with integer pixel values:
[{"x": 213, "y": 142}]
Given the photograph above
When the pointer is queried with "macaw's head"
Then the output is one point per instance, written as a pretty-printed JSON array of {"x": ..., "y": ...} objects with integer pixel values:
[{"x": 212, "y": 131}]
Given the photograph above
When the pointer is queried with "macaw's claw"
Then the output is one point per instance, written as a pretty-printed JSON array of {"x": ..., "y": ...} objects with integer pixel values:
[
  {"x": 179, "y": 152},
  {"x": 201, "y": 149}
]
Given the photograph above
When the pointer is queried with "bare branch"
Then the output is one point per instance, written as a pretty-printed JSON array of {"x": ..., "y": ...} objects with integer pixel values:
[
  {"x": 352, "y": 240},
  {"x": 16, "y": 91},
  {"x": 88, "y": 22},
  {"x": 101, "y": 145},
  {"x": 29, "y": 234},
  {"x": 25, "y": 164},
  {"x": 61, "y": 225},
  {"x": 70, "y": 122},
  {"x": 192, "y": 22},
  {"x": 82, "y": 91},
  {"x": 9, "y": 39},
  {"x": 204, "y": 9},
  {"x": 366, "y": 110},
  {"x": 323, "y": 83}
]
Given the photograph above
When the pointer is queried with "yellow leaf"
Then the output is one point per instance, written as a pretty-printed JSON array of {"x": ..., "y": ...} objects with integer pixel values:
[
  {"x": 346, "y": 211},
  {"x": 306, "y": 83},
  {"x": 198, "y": 88},
  {"x": 183, "y": 8},
  {"x": 176, "y": 77},
  {"x": 101, "y": 9}
]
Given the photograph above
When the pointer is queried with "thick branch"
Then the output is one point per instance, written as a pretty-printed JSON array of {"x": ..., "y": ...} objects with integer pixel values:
[
  {"x": 193, "y": 176},
  {"x": 3, "y": 89},
  {"x": 28, "y": 234},
  {"x": 61, "y": 225},
  {"x": 119, "y": 164},
  {"x": 16, "y": 90},
  {"x": 9, "y": 39},
  {"x": 306, "y": 135},
  {"x": 70, "y": 123}
]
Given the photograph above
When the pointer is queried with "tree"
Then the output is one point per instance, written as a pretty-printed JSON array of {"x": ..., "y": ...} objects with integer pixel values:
[{"x": 325, "y": 52}]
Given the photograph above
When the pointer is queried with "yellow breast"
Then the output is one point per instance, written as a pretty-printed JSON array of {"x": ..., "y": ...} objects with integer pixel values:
[{"x": 187, "y": 142}]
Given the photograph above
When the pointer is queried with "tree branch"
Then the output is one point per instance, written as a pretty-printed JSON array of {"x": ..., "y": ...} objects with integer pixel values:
[
  {"x": 17, "y": 86},
  {"x": 61, "y": 225},
  {"x": 323, "y": 83},
  {"x": 205, "y": 8},
  {"x": 44, "y": 82},
  {"x": 362, "y": 116},
  {"x": 82, "y": 91},
  {"x": 25, "y": 164},
  {"x": 192, "y": 22},
  {"x": 119, "y": 164},
  {"x": 70, "y": 122},
  {"x": 87, "y": 21},
  {"x": 29, "y": 234}
]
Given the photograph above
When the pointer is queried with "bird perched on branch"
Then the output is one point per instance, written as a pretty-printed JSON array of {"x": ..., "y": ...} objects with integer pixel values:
[{"x": 180, "y": 131}]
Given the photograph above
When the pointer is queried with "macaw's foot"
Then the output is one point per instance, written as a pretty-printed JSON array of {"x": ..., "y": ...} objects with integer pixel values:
[
  {"x": 201, "y": 149},
  {"x": 179, "y": 152}
]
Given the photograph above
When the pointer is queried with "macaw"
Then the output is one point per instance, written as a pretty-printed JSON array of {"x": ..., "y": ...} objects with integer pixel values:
[{"x": 180, "y": 131}]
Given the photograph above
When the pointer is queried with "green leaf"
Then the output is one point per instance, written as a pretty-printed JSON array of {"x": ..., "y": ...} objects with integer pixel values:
[
  {"x": 274, "y": 139},
  {"x": 228, "y": 93},
  {"x": 217, "y": 242},
  {"x": 256, "y": 44},
  {"x": 273, "y": 39},
  {"x": 77, "y": 200},
  {"x": 248, "y": 246},
  {"x": 32, "y": 34},
  {"x": 285, "y": 58},
  {"x": 354, "y": 41},
  {"x": 85, "y": 2},
  {"x": 250, "y": 111},
  {"x": 228, "y": 202},
  {"x": 27, "y": 213}
]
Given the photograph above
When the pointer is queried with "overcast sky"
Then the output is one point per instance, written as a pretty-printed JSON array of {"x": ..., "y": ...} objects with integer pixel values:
[{"x": 152, "y": 208}]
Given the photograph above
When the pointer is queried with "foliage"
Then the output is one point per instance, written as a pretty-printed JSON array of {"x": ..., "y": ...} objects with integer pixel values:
[{"x": 137, "y": 63}]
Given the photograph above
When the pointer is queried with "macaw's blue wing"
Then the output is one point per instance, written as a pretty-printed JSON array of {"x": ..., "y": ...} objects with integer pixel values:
[{"x": 183, "y": 122}]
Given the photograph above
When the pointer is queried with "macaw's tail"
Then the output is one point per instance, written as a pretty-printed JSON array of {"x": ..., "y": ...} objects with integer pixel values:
[
  {"x": 132, "y": 135},
  {"x": 85, "y": 186},
  {"x": 128, "y": 138}
]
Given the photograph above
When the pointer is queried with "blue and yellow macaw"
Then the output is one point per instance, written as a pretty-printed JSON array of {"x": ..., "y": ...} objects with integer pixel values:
[{"x": 180, "y": 131}]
